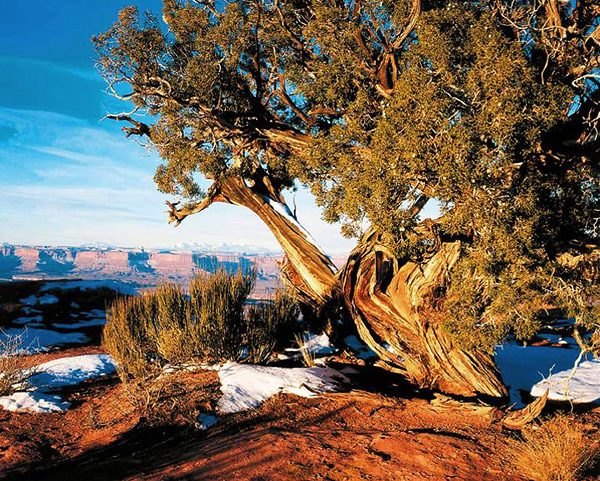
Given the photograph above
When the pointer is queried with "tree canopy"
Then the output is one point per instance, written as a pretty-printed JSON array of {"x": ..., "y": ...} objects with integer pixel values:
[{"x": 489, "y": 108}]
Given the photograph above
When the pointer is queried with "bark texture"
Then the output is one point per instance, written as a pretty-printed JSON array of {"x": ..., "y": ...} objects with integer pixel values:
[{"x": 393, "y": 304}]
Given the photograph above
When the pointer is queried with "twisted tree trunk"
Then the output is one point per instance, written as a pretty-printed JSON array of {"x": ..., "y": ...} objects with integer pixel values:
[{"x": 393, "y": 304}]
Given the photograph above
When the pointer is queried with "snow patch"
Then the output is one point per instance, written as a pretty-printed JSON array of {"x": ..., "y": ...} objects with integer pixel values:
[
  {"x": 56, "y": 374},
  {"x": 70, "y": 371},
  {"x": 36, "y": 340},
  {"x": 524, "y": 366},
  {"x": 30, "y": 301},
  {"x": 34, "y": 402},
  {"x": 246, "y": 386},
  {"x": 48, "y": 299},
  {"x": 317, "y": 344},
  {"x": 584, "y": 387},
  {"x": 27, "y": 320},
  {"x": 98, "y": 321},
  {"x": 33, "y": 300},
  {"x": 29, "y": 310}
]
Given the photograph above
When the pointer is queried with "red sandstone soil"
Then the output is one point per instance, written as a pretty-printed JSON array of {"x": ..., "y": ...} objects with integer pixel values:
[{"x": 358, "y": 435}]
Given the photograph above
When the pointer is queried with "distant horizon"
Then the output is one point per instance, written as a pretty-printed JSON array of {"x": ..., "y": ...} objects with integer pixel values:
[{"x": 227, "y": 247}]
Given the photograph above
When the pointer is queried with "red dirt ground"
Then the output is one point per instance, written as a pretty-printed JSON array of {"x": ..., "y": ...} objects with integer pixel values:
[{"x": 356, "y": 435}]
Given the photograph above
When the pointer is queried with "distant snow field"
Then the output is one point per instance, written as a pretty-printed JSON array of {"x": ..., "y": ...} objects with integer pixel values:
[{"x": 87, "y": 285}]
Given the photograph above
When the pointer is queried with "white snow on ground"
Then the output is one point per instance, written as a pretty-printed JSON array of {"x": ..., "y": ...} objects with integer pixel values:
[
  {"x": 584, "y": 387},
  {"x": 29, "y": 310},
  {"x": 362, "y": 350},
  {"x": 33, "y": 401},
  {"x": 27, "y": 320},
  {"x": 53, "y": 375},
  {"x": 33, "y": 300},
  {"x": 69, "y": 371},
  {"x": 524, "y": 366},
  {"x": 36, "y": 340},
  {"x": 48, "y": 299},
  {"x": 246, "y": 386},
  {"x": 96, "y": 321},
  {"x": 317, "y": 344},
  {"x": 118, "y": 286}
]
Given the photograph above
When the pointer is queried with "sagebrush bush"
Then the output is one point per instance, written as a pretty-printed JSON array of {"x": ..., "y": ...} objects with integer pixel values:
[
  {"x": 560, "y": 449},
  {"x": 12, "y": 348},
  {"x": 270, "y": 325},
  {"x": 126, "y": 336},
  {"x": 217, "y": 324},
  {"x": 169, "y": 326}
]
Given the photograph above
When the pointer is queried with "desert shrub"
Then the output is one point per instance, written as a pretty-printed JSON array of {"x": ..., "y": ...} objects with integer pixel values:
[
  {"x": 12, "y": 349},
  {"x": 168, "y": 326},
  {"x": 308, "y": 356},
  {"x": 168, "y": 323},
  {"x": 269, "y": 325},
  {"x": 126, "y": 336},
  {"x": 216, "y": 325},
  {"x": 560, "y": 449}
]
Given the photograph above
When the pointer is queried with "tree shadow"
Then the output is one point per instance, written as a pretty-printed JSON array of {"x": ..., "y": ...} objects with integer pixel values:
[{"x": 146, "y": 450}]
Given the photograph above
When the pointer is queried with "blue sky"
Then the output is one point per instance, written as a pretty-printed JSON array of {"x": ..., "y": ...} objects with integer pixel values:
[{"x": 68, "y": 179}]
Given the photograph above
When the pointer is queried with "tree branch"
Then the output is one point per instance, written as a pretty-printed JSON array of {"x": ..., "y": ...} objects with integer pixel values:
[
  {"x": 412, "y": 21},
  {"x": 139, "y": 128},
  {"x": 176, "y": 215}
]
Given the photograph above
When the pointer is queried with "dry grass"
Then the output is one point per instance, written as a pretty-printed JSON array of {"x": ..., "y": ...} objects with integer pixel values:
[
  {"x": 560, "y": 449},
  {"x": 172, "y": 398},
  {"x": 270, "y": 326},
  {"x": 167, "y": 326},
  {"x": 12, "y": 349},
  {"x": 308, "y": 356}
]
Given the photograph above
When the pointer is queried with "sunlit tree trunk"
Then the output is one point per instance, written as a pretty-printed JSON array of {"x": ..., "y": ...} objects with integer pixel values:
[{"x": 393, "y": 304}]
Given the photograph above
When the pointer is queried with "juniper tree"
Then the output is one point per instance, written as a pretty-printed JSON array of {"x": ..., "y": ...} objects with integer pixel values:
[{"x": 489, "y": 108}]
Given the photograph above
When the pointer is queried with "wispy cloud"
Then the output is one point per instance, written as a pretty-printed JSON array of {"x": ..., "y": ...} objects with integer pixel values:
[
  {"x": 67, "y": 181},
  {"x": 89, "y": 74}
]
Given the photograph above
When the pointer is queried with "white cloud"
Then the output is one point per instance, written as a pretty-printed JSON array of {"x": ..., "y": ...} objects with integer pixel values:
[{"x": 65, "y": 181}]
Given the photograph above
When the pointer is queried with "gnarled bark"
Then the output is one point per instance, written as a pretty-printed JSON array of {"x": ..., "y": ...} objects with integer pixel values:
[{"x": 393, "y": 305}]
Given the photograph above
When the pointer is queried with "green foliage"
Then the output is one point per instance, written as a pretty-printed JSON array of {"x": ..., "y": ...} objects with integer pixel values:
[
  {"x": 169, "y": 326},
  {"x": 482, "y": 108}
]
